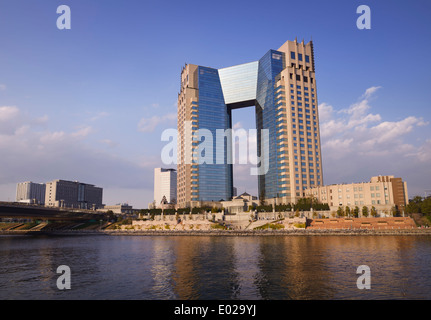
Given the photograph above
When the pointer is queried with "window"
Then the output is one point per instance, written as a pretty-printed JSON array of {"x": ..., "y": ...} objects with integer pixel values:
[
  {"x": 292, "y": 55},
  {"x": 300, "y": 56},
  {"x": 307, "y": 58}
]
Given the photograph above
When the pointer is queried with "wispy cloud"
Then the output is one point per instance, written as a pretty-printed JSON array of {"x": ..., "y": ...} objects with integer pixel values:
[
  {"x": 99, "y": 115},
  {"x": 8, "y": 112},
  {"x": 82, "y": 132},
  {"x": 110, "y": 143},
  {"x": 150, "y": 124},
  {"x": 370, "y": 91}
]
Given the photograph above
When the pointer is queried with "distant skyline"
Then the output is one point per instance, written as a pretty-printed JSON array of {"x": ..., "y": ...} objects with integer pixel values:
[{"x": 90, "y": 103}]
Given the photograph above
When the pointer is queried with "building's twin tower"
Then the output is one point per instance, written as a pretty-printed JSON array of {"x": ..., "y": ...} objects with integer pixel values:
[{"x": 282, "y": 87}]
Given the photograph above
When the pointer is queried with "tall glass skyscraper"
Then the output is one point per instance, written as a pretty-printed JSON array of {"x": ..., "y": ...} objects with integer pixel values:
[{"x": 282, "y": 88}]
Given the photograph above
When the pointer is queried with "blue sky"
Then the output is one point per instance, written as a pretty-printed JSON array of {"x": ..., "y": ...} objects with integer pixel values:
[{"x": 90, "y": 103}]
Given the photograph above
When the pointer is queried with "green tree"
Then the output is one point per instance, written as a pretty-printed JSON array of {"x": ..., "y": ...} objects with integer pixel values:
[
  {"x": 356, "y": 212},
  {"x": 110, "y": 216},
  {"x": 426, "y": 206},
  {"x": 365, "y": 211},
  {"x": 347, "y": 210},
  {"x": 340, "y": 212},
  {"x": 415, "y": 205},
  {"x": 373, "y": 211}
]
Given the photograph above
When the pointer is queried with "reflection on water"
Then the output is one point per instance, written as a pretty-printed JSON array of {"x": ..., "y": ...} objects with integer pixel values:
[{"x": 200, "y": 267}]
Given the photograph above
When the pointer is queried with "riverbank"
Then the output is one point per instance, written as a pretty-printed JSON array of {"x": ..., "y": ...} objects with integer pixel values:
[{"x": 295, "y": 232}]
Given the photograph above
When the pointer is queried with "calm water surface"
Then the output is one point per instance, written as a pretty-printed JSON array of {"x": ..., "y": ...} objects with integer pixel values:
[{"x": 201, "y": 267}]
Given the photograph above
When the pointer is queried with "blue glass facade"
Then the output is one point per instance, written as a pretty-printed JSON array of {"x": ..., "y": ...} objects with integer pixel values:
[
  {"x": 239, "y": 83},
  {"x": 270, "y": 66},
  {"x": 215, "y": 179}
]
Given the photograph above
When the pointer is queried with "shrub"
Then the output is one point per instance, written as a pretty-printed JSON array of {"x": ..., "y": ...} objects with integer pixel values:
[{"x": 299, "y": 225}]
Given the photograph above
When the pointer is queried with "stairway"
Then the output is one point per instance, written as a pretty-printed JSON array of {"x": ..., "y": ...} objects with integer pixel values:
[
  {"x": 258, "y": 223},
  {"x": 39, "y": 227}
]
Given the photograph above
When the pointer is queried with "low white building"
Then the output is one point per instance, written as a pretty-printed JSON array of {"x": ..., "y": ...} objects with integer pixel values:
[
  {"x": 240, "y": 203},
  {"x": 165, "y": 185}
]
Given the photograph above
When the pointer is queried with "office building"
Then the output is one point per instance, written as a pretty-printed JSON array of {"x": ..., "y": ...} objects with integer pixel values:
[
  {"x": 120, "y": 208},
  {"x": 382, "y": 192},
  {"x": 281, "y": 86},
  {"x": 73, "y": 194},
  {"x": 30, "y": 192},
  {"x": 165, "y": 186}
]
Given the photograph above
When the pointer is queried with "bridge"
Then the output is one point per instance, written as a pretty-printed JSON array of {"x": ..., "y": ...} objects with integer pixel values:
[{"x": 19, "y": 211}]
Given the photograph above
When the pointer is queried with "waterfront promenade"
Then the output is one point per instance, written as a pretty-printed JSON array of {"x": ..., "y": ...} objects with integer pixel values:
[
  {"x": 283, "y": 227},
  {"x": 215, "y": 232}
]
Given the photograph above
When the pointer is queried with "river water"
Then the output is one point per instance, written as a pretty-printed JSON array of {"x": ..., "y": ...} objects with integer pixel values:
[{"x": 214, "y": 268}]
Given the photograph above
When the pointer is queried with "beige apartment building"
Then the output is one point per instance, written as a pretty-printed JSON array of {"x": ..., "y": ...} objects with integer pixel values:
[
  {"x": 73, "y": 194},
  {"x": 187, "y": 111},
  {"x": 382, "y": 192}
]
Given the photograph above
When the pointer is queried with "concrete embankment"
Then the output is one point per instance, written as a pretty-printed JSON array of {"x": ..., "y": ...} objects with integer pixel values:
[{"x": 296, "y": 232}]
